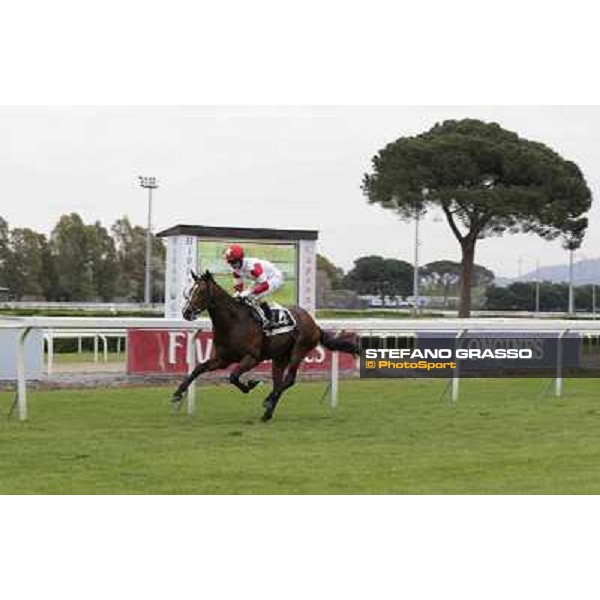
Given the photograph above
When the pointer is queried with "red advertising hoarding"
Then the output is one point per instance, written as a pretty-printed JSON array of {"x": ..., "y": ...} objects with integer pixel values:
[{"x": 160, "y": 352}]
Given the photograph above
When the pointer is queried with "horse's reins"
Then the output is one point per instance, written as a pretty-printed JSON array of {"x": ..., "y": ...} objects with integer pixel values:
[{"x": 188, "y": 299}]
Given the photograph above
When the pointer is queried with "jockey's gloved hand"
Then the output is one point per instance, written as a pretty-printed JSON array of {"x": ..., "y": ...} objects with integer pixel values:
[{"x": 244, "y": 294}]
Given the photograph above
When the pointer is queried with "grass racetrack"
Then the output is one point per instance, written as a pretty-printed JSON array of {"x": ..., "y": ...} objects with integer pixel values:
[{"x": 503, "y": 436}]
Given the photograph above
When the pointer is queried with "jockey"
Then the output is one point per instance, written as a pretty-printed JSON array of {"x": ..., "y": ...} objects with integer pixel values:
[{"x": 266, "y": 276}]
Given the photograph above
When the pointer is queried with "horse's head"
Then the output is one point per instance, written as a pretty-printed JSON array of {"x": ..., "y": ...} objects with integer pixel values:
[{"x": 200, "y": 295}]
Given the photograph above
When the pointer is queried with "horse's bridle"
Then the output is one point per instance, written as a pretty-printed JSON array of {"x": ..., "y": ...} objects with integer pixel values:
[
  {"x": 190, "y": 295},
  {"x": 189, "y": 307}
]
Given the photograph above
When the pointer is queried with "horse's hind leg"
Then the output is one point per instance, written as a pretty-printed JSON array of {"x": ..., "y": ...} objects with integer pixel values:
[
  {"x": 288, "y": 381},
  {"x": 247, "y": 363},
  {"x": 277, "y": 372}
]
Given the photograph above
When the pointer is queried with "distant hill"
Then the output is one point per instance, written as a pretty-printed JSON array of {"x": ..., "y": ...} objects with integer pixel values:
[{"x": 584, "y": 272}]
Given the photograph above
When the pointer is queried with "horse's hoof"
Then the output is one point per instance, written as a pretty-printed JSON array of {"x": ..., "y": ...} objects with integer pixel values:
[
  {"x": 253, "y": 383},
  {"x": 176, "y": 398},
  {"x": 270, "y": 406}
]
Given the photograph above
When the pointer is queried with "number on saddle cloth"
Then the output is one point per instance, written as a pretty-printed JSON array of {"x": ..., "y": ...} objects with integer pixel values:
[{"x": 282, "y": 316}]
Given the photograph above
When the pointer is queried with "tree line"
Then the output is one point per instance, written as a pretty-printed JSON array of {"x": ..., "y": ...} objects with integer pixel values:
[
  {"x": 552, "y": 297},
  {"x": 79, "y": 262},
  {"x": 379, "y": 276}
]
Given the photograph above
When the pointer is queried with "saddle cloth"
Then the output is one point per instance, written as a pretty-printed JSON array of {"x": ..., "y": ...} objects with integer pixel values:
[{"x": 282, "y": 317}]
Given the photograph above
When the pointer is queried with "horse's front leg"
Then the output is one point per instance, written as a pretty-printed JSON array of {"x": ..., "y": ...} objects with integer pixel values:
[
  {"x": 212, "y": 364},
  {"x": 246, "y": 364}
]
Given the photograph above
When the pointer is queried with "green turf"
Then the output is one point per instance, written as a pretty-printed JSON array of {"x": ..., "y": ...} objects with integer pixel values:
[{"x": 385, "y": 437}]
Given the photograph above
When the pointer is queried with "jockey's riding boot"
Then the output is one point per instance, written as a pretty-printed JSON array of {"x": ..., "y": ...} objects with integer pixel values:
[{"x": 268, "y": 316}]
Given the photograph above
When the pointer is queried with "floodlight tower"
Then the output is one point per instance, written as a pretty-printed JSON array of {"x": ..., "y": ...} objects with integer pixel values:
[
  {"x": 571, "y": 284},
  {"x": 150, "y": 184},
  {"x": 415, "y": 308}
]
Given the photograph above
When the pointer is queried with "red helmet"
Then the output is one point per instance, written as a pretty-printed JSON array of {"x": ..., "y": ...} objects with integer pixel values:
[{"x": 234, "y": 253}]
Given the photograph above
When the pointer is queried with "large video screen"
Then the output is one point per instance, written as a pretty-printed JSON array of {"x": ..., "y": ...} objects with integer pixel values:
[{"x": 283, "y": 256}]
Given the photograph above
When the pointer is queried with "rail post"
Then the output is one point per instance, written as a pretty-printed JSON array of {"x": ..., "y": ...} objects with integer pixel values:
[
  {"x": 456, "y": 375},
  {"x": 335, "y": 373},
  {"x": 104, "y": 346},
  {"x": 191, "y": 362},
  {"x": 21, "y": 375},
  {"x": 50, "y": 345},
  {"x": 558, "y": 383}
]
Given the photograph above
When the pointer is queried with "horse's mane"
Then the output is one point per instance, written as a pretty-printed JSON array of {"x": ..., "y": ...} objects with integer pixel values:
[{"x": 207, "y": 276}]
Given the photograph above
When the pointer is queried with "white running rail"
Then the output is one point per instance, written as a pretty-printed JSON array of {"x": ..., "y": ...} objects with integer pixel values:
[
  {"x": 372, "y": 327},
  {"x": 96, "y": 335}
]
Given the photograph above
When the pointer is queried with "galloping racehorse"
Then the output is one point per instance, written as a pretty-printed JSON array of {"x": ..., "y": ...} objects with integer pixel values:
[{"x": 239, "y": 338}]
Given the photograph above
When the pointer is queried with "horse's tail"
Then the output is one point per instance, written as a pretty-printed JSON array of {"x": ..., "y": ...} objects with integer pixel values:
[{"x": 343, "y": 342}]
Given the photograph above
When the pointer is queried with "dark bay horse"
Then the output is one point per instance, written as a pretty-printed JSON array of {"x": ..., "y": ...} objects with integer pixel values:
[{"x": 238, "y": 339}]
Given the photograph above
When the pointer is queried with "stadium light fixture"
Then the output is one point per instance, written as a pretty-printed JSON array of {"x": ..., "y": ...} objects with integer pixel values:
[
  {"x": 424, "y": 194},
  {"x": 150, "y": 184}
]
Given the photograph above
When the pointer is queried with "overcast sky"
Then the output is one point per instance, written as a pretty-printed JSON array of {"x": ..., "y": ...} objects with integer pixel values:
[{"x": 288, "y": 167}]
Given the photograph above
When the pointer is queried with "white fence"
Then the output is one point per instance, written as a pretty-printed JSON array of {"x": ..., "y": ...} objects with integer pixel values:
[
  {"x": 102, "y": 335},
  {"x": 371, "y": 327}
]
